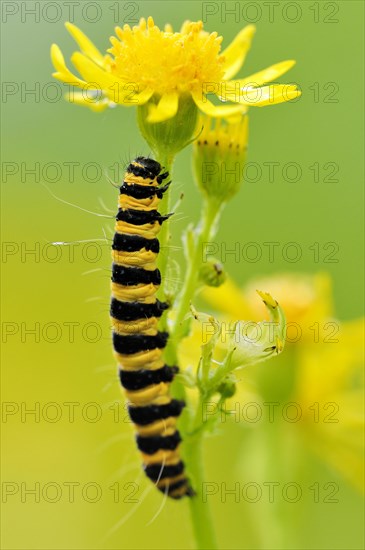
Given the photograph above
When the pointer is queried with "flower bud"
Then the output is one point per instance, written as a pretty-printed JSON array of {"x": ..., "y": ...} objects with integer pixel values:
[
  {"x": 212, "y": 273},
  {"x": 219, "y": 157},
  {"x": 168, "y": 137},
  {"x": 227, "y": 388}
]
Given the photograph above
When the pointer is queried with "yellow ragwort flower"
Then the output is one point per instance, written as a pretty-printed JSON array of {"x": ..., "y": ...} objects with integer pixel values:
[{"x": 146, "y": 62}]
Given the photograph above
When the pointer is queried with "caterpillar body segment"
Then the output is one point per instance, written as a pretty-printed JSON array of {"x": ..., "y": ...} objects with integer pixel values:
[{"x": 135, "y": 311}]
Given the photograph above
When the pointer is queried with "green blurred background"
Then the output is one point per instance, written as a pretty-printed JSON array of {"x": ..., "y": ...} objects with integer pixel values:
[{"x": 324, "y": 126}]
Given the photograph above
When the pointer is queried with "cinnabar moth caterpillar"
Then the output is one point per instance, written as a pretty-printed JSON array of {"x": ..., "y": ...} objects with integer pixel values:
[{"x": 135, "y": 312}]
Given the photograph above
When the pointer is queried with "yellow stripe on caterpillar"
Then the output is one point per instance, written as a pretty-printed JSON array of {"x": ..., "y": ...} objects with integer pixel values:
[
  {"x": 145, "y": 396},
  {"x": 160, "y": 427},
  {"x": 140, "y": 326},
  {"x": 152, "y": 365},
  {"x": 131, "y": 179},
  {"x": 138, "y": 258},
  {"x": 159, "y": 400},
  {"x": 146, "y": 230},
  {"x": 136, "y": 293},
  {"x": 140, "y": 360},
  {"x": 179, "y": 492},
  {"x": 149, "y": 203},
  {"x": 169, "y": 480},
  {"x": 163, "y": 456}
]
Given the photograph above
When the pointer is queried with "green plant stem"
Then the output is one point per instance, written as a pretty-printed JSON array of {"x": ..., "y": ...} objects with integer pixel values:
[
  {"x": 203, "y": 233},
  {"x": 200, "y": 512},
  {"x": 268, "y": 447}
]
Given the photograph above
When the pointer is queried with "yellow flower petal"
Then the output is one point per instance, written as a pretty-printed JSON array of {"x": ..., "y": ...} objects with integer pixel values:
[
  {"x": 131, "y": 98},
  {"x": 165, "y": 109},
  {"x": 330, "y": 375},
  {"x": 118, "y": 91},
  {"x": 235, "y": 53},
  {"x": 63, "y": 73},
  {"x": 345, "y": 455},
  {"x": 81, "y": 98},
  {"x": 266, "y": 95},
  {"x": 217, "y": 111},
  {"x": 57, "y": 58},
  {"x": 228, "y": 299},
  {"x": 86, "y": 46},
  {"x": 261, "y": 77},
  {"x": 330, "y": 365},
  {"x": 95, "y": 74}
]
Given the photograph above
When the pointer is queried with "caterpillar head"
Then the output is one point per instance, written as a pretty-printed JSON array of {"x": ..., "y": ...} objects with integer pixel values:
[{"x": 149, "y": 164}]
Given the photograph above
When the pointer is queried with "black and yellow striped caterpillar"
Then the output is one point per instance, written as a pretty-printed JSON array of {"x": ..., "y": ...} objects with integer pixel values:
[{"x": 135, "y": 312}]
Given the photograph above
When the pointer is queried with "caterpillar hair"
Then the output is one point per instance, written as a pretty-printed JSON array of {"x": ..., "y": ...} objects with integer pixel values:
[{"x": 135, "y": 312}]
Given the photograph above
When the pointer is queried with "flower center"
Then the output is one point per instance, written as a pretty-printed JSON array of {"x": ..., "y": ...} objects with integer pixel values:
[{"x": 166, "y": 61}]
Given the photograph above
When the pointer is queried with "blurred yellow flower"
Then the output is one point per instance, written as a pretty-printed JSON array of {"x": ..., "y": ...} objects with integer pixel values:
[
  {"x": 326, "y": 366},
  {"x": 329, "y": 388},
  {"x": 305, "y": 299},
  {"x": 147, "y": 62}
]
